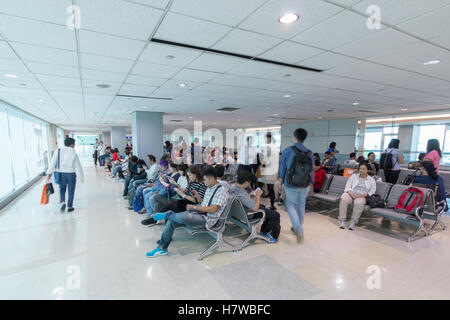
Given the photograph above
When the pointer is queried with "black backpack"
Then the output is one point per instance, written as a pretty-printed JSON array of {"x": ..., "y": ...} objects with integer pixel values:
[
  {"x": 299, "y": 174},
  {"x": 386, "y": 162}
]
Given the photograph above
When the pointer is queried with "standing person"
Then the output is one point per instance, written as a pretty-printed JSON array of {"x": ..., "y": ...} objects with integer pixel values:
[
  {"x": 295, "y": 201},
  {"x": 270, "y": 164},
  {"x": 372, "y": 164},
  {"x": 392, "y": 170},
  {"x": 96, "y": 144},
  {"x": 66, "y": 162},
  {"x": 332, "y": 148},
  {"x": 101, "y": 152},
  {"x": 434, "y": 153}
]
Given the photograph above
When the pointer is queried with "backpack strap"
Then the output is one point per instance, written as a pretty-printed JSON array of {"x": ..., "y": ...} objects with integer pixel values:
[
  {"x": 59, "y": 156},
  {"x": 214, "y": 193}
]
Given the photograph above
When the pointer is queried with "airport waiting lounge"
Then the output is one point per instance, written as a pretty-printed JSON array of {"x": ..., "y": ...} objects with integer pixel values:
[{"x": 239, "y": 150}]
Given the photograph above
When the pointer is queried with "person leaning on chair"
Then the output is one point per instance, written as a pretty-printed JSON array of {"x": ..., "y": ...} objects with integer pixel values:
[{"x": 69, "y": 166}]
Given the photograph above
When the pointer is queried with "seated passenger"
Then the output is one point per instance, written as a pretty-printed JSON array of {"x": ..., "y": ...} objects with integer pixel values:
[
  {"x": 373, "y": 166},
  {"x": 319, "y": 176},
  {"x": 220, "y": 172},
  {"x": 271, "y": 228},
  {"x": 212, "y": 206},
  {"x": 151, "y": 173},
  {"x": 357, "y": 188},
  {"x": 329, "y": 163},
  {"x": 136, "y": 167},
  {"x": 429, "y": 177},
  {"x": 352, "y": 160}
]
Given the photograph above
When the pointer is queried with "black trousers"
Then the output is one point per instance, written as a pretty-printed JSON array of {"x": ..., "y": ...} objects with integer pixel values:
[
  {"x": 270, "y": 187},
  {"x": 95, "y": 157},
  {"x": 391, "y": 176},
  {"x": 271, "y": 223}
]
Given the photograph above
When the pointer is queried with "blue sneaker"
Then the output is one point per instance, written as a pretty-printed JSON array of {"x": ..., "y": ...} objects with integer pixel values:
[
  {"x": 156, "y": 252},
  {"x": 160, "y": 216},
  {"x": 268, "y": 237}
]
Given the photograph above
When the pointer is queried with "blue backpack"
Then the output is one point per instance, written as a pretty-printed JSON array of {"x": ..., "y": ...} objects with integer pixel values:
[{"x": 138, "y": 201}]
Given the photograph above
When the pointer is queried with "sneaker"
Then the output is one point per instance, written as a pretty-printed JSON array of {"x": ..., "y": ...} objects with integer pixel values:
[
  {"x": 268, "y": 237},
  {"x": 292, "y": 229},
  {"x": 351, "y": 226},
  {"x": 342, "y": 225},
  {"x": 156, "y": 252},
  {"x": 63, "y": 207},
  {"x": 300, "y": 238},
  {"x": 148, "y": 222},
  {"x": 160, "y": 216},
  {"x": 273, "y": 208},
  {"x": 70, "y": 209},
  {"x": 130, "y": 208}
]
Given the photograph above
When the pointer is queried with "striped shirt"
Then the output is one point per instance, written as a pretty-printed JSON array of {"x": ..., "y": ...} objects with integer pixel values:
[{"x": 199, "y": 187}]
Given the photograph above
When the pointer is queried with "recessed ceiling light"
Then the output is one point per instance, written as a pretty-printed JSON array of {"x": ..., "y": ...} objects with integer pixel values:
[
  {"x": 268, "y": 120},
  {"x": 102, "y": 86},
  {"x": 320, "y": 118},
  {"x": 287, "y": 75},
  {"x": 356, "y": 103},
  {"x": 275, "y": 114},
  {"x": 431, "y": 62},
  {"x": 170, "y": 57},
  {"x": 404, "y": 109},
  {"x": 182, "y": 85},
  {"x": 190, "y": 117},
  {"x": 288, "y": 18},
  {"x": 12, "y": 76},
  {"x": 287, "y": 96}
]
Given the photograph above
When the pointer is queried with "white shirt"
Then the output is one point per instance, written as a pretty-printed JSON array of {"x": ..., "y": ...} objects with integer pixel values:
[
  {"x": 101, "y": 149},
  {"x": 68, "y": 162},
  {"x": 354, "y": 180},
  {"x": 152, "y": 173},
  {"x": 351, "y": 162}
]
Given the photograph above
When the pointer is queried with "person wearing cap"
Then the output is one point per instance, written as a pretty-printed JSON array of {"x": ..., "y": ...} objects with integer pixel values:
[{"x": 65, "y": 161}]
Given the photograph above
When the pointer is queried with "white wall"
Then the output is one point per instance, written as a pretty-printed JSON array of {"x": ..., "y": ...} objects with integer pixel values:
[{"x": 321, "y": 133}]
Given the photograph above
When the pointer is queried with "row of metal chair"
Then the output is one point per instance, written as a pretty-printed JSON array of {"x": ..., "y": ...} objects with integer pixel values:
[{"x": 334, "y": 187}]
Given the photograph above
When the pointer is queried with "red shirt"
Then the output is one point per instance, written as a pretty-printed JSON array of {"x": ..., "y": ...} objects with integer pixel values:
[
  {"x": 319, "y": 176},
  {"x": 115, "y": 156}
]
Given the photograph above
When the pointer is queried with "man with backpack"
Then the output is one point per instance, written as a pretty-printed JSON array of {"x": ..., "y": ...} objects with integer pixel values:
[{"x": 297, "y": 174}]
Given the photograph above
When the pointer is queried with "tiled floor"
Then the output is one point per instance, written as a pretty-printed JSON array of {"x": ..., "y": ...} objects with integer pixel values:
[{"x": 98, "y": 252}]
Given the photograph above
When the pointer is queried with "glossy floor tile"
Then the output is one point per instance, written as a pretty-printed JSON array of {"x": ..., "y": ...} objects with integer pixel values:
[{"x": 98, "y": 252}]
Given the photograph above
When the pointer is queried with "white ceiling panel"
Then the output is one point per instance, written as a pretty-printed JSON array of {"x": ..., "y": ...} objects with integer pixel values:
[
  {"x": 216, "y": 62},
  {"x": 247, "y": 43},
  {"x": 326, "y": 61},
  {"x": 124, "y": 19},
  {"x": 46, "y": 55},
  {"x": 340, "y": 29},
  {"x": 12, "y": 66},
  {"x": 290, "y": 52},
  {"x": 154, "y": 70},
  {"x": 6, "y": 51},
  {"x": 106, "y": 45},
  {"x": 37, "y": 33},
  {"x": 161, "y": 4},
  {"x": 140, "y": 80},
  {"x": 383, "y": 41},
  {"x": 135, "y": 90},
  {"x": 241, "y": 81},
  {"x": 46, "y": 10},
  {"x": 195, "y": 75},
  {"x": 183, "y": 29},
  {"x": 103, "y": 77},
  {"x": 429, "y": 25},
  {"x": 53, "y": 69},
  {"x": 229, "y": 12},
  {"x": 169, "y": 55},
  {"x": 397, "y": 11},
  {"x": 90, "y": 61},
  {"x": 265, "y": 20},
  {"x": 67, "y": 81}
]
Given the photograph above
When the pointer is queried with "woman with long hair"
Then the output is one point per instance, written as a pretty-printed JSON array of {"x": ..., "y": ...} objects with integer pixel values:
[
  {"x": 434, "y": 153},
  {"x": 391, "y": 175},
  {"x": 430, "y": 177}
]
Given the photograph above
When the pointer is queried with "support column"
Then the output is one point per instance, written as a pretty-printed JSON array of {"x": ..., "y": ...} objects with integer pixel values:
[
  {"x": 118, "y": 138},
  {"x": 53, "y": 139},
  {"x": 361, "y": 137},
  {"x": 147, "y": 131},
  {"x": 107, "y": 138}
]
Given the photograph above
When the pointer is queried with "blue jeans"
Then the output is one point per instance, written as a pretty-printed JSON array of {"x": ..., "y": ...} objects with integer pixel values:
[
  {"x": 67, "y": 181},
  {"x": 137, "y": 183},
  {"x": 176, "y": 220},
  {"x": 295, "y": 203},
  {"x": 115, "y": 171}
]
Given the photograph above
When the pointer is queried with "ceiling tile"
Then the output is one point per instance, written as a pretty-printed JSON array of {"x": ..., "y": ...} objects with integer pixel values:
[
  {"x": 183, "y": 29},
  {"x": 326, "y": 61},
  {"x": 290, "y": 52},
  {"x": 55, "y": 70},
  {"x": 46, "y": 10},
  {"x": 265, "y": 20},
  {"x": 124, "y": 19},
  {"x": 216, "y": 62},
  {"x": 106, "y": 45},
  {"x": 6, "y": 51},
  {"x": 229, "y": 12},
  {"x": 90, "y": 61},
  {"x": 140, "y": 80},
  {"x": 161, "y": 4},
  {"x": 103, "y": 77},
  {"x": 245, "y": 42},
  {"x": 429, "y": 25},
  {"x": 154, "y": 70},
  {"x": 37, "y": 33},
  {"x": 46, "y": 55},
  {"x": 195, "y": 75},
  {"x": 169, "y": 55}
]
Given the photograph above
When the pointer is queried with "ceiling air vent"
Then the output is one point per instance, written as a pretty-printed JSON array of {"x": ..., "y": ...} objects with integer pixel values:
[
  {"x": 228, "y": 109},
  {"x": 367, "y": 111},
  {"x": 288, "y": 118},
  {"x": 176, "y": 120}
]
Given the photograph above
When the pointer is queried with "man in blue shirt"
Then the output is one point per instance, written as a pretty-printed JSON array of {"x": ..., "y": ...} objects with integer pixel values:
[{"x": 295, "y": 201}]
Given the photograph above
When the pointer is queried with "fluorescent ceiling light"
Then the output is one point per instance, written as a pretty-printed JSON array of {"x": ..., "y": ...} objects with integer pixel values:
[
  {"x": 182, "y": 85},
  {"x": 433, "y": 116},
  {"x": 431, "y": 62},
  {"x": 12, "y": 76},
  {"x": 356, "y": 103},
  {"x": 288, "y": 18},
  {"x": 287, "y": 96}
]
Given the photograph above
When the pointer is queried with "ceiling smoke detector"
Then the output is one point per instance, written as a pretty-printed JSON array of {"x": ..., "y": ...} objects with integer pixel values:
[{"x": 103, "y": 86}]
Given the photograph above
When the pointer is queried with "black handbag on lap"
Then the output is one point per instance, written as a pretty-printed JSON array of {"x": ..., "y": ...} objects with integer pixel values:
[{"x": 375, "y": 201}]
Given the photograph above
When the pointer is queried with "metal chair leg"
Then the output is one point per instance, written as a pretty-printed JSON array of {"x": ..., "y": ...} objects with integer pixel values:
[
  {"x": 419, "y": 228},
  {"x": 212, "y": 247}
]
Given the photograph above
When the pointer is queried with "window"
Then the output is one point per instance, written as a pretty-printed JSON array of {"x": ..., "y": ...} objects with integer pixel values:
[
  {"x": 427, "y": 132},
  {"x": 18, "y": 150},
  {"x": 6, "y": 182}
]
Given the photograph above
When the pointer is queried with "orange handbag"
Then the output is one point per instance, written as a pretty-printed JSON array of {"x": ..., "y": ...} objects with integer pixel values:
[{"x": 44, "y": 197}]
